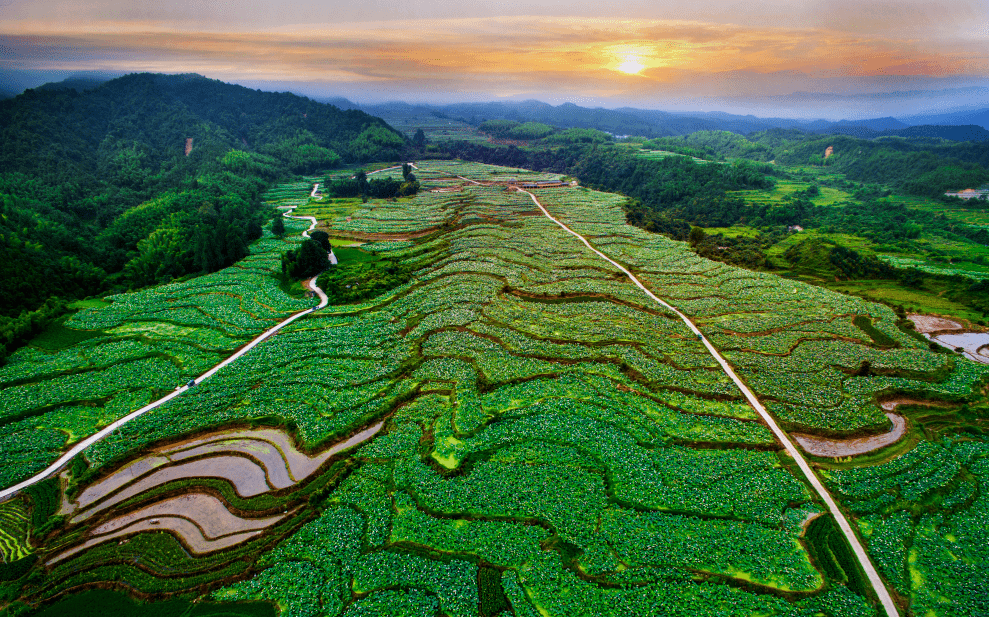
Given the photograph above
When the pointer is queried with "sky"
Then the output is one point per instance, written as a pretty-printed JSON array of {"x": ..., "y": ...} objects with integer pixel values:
[{"x": 798, "y": 58}]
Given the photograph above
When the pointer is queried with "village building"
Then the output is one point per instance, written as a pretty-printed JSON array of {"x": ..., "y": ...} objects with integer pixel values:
[{"x": 967, "y": 194}]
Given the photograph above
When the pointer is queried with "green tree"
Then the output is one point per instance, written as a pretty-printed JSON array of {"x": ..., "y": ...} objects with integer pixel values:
[
  {"x": 322, "y": 238},
  {"x": 912, "y": 278},
  {"x": 308, "y": 260},
  {"x": 278, "y": 226},
  {"x": 376, "y": 143},
  {"x": 419, "y": 139},
  {"x": 363, "y": 186}
]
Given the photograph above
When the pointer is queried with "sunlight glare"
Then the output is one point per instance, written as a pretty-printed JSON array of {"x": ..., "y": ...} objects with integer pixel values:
[{"x": 631, "y": 65}]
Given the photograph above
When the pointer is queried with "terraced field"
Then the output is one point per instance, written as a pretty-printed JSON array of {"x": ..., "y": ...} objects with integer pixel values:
[{"x": 517, "y": 429}]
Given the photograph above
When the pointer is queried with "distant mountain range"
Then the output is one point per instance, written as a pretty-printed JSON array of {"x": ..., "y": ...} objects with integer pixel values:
[
  {"x": 978, "y": 117},
  {"x": 959, "y": 126},
  {"x": 971, "y": 125}
]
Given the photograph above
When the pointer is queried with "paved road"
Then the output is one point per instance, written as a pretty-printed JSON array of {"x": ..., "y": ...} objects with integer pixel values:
[
  {"x": 96, "y": 437},
  {"x": 784, "y": 439}
]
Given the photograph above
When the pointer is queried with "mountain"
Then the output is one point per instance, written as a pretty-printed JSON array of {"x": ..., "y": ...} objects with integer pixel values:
[
  {"x": 340, "y": 102},
  {"x": 61, "y": 131},
  {"x": 625, "y": 120},
  {"x": 149, "y": 177},
  {"x": 959, "y": 133},
  {"x": 876, "y": 124},
  {"x": 566, "y": 115},
  {"x": 977, "y": 117},
  {"x": 80, "y": 84}
]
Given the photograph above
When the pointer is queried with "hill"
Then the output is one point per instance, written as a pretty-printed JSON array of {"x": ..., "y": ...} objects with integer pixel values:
[
  {"x": 658, "y": 123},
  {"x": 958, "y": 133},
  {"x": 148, "y": 177},
  {"x": 978, "y": 117},
  {"x": 80, "y": 83}
]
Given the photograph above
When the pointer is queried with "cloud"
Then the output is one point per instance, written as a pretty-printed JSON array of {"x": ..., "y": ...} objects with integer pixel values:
[{"x": 533, "y": 53}]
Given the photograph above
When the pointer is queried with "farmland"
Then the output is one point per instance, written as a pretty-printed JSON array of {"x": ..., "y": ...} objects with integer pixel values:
[{"x": 513, "y": 428}]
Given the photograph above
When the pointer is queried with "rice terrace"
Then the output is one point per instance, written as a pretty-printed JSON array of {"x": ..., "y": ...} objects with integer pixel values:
[{"x": 546, "y": 411}]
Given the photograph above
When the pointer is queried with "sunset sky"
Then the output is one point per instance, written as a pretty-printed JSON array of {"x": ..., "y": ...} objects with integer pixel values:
[{"x": 762, "y": 56}]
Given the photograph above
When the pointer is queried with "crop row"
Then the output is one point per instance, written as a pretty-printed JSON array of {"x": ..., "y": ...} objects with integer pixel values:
[{"x": 15, "y": 524}]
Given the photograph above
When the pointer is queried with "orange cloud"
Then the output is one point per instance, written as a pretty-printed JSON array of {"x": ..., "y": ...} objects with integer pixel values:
[{"x": 498, "y": 54}]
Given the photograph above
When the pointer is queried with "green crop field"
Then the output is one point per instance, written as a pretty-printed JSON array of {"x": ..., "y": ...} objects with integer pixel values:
[
  {"x": 659, "y": 155},
  {"x": 513, "y": 428},
  {"x": 827, "y": 196},
  {"x": 435, "y": 128}
]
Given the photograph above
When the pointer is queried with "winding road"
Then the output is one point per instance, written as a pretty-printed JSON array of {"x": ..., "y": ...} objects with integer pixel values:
[
  {"x": 96, "y": 437},
  {"x": 846, "y": 528}
]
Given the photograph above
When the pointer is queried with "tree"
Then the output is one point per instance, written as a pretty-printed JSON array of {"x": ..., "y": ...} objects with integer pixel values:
[
  {"x": 912, "y": 278},
  {"x": 697, "y": 236},
  {"x": 278, "y": 226},
  {"x": 419, "y": 139},
  {"x": 377, "y": 143},
  {"x": 406, "y": 170},
  {"x": 362, "y": 184},
  {"x": 322, "y": 238},
  {"x": 308, "y": 260}
]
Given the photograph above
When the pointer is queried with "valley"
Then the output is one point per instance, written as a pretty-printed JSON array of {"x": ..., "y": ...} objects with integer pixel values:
[{"x": 509, "y": 401}]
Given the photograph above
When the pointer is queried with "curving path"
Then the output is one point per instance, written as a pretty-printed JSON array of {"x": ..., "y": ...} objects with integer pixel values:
[
  {"x": 96, "y": 437},
  {"x": 784, "y": 439},
  {"x": 387, "y": 169}
]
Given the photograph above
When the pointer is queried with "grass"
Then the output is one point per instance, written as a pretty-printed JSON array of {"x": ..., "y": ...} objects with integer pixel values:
[
  {"x": 329, "y": 207},
  {"x": 964, "y": 214},
  {"x": 890, "y": 292},
  {"x": 350, "y": 255},
  {"x": 113, "y": 603},
  {"x": 734, "y": 231},
  {"x": 659, "y": 155},
  {"x": 857, "y": 243},
  {"x": 293, "y": 288},
  {"x": 826, "y": 196},
  {"x": 60, "y": 337},
  {"x": 88, "y": 304},
  {"x": 435, "y": 129}
]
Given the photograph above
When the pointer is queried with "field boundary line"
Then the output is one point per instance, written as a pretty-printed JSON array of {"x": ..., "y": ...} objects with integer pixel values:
[{"x": 825, "y": 495}]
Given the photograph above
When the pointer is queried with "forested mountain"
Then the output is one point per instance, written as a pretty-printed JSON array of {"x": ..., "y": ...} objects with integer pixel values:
[
  {"x": 657, "y": 123},
  {"x": 956, "y": 133},
  {"x": 80, "y": 83},
  {"x": 919, "y": 166},
  {"x": 149, "y": 177}
]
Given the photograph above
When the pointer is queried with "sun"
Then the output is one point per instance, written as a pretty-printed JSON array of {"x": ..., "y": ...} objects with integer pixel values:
[{"x": 630, "y": 65}]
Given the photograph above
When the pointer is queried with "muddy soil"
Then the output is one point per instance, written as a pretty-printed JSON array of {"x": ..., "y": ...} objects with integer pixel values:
[{"x": 828, "y": 447}]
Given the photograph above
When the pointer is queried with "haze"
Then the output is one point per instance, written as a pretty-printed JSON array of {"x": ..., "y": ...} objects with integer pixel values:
[{"x": 833, "y": 59}]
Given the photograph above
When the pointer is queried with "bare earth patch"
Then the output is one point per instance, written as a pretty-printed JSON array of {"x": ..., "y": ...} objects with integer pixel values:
[
  {"x": 827, "y": 447},
  {"x": 932, "y": 323},
  {"x": 201, "y": 521}
]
